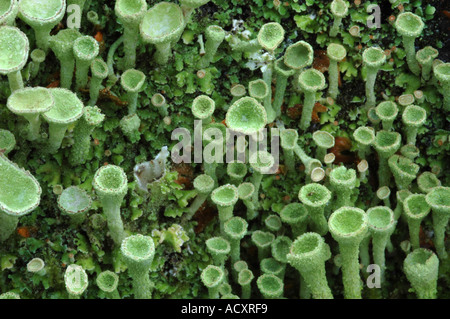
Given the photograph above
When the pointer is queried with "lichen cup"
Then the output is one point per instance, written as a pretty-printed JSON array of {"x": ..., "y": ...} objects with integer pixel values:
[
  {"x": 130, "y": 14},
  {"x": 299, "y": 55},
  {"x": 308, "y": 254},
  {"x": 439, "y": 200},
  {"x": 14, "y": 49},
  {"x": 336, "y": 53},
  {"x": 348, "y": 226},
  {"x": 138, "y": 252},
  {"x": 324, "y": 141},
  {"x": 8, "y": 11},
  {"x": 373, "y": 59},
  {"x": 246, "y": 116},
  {"x": 75, "y": 202},
  {"x": 62, "y": 46},
  {"x": 31, "y": 103},
  {"x": 387, "y": 112},
  {"x": 42, "y": 16},
  {"x": 161, "y": 25},
  {"x": 442, "y": 73},
  {"x": 67, "y": 110},
  {"x": 203, "y": 108},
  {"x": 7, "y": 141},
  {"x": 85, "y": 50},
  {"x": 413, "y": 117},
  {"x": 315, "y": 197},
  {"x": 20, "y": 194},
  {"x": 364, "y": 136},
  {"x": 386, "y": 144},
  {"x": 132, "y": 82},
  {"x": 111, "y": 184},
  {"x": 410, "y": 26},
  {"x": 310, "y": 81},
  {"x": 421, "y": 268}
]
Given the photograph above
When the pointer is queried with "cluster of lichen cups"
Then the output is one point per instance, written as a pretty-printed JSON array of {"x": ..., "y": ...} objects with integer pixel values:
[{"x": 326, "y": 202}]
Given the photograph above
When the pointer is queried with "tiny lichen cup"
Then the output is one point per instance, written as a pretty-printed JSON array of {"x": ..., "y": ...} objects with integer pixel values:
[
  {"x": 76, "y": 281},
  {"x": 387, "y": 112},
  {"x": 203, "y": 108}
]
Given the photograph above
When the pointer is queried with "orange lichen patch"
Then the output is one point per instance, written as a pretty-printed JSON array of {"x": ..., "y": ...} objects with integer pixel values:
[
  {"x": 184, "y": 169},
  {"x": 204, "y": 215},
  {"x": 287, "y": 198},
  {"x": 53, "y": 84},
  {"x": 106, "y": 94},
  {"x": 53, "y": 80},
  {"x": 185, "y": 175},
  {"x": 99, "y": 37},
  {"x": 446, "y": 13},
  {"x": 400, "y": 7},
  {"x": 182, "y": 180},
  {"x": 341, "y": 150},
  {"x": 224, "y": 122},
  {"x": 96, "y": 142},
  {"x": 57, "y": 28},
  {"x": 281, "y": 169},
  {"x": 318, "y": 108},
  {"x": 101, "y": 41},
  {"x": 321, "y": 61},
  {"x": 296, "y": 111},
  {"x": 27, "y": 231}
]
